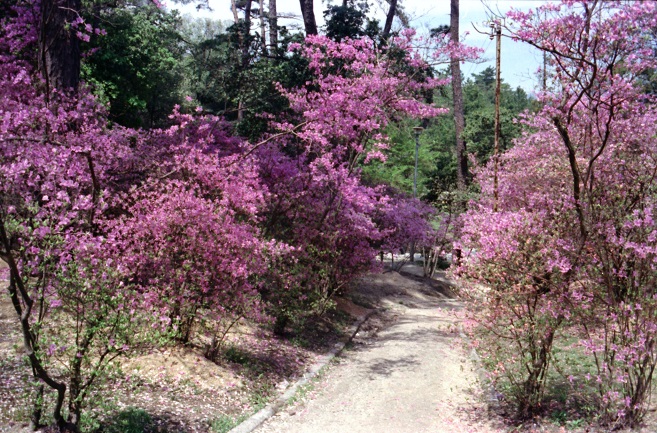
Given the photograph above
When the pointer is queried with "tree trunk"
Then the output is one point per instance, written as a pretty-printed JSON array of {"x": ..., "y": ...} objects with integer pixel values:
[
  {"x": 246, "y": 33},
  {"x": 236, "y": 19},
  {"x": 77, "y": 389},
  {"x": 459, "y": 118},
  {"x": 247, "y": 17},
  {"x": 400, "y": 14},
  {"x": 233, "y": 8},
  {"x": 389, "y": 18},
  {"x": 23, "y": 303},
  {"x": 534, "y": 384},
  {"x": 273, "y": 25},
  {"x": 37, "y": 408},
  {"x": 263, "y": 29},
  {"x": 59, "y": 47},
  {"x": 308, "y": 14}
]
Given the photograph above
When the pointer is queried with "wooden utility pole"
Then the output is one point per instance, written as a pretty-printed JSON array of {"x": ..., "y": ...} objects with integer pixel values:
[
  {"x": 416, "y": 132},
  {"x": 459, "y": 120},
  {"x": 497, "y": 33}
]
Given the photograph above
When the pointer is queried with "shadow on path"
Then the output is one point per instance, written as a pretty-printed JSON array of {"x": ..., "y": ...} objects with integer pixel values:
[{"x": 386, "y": 367}]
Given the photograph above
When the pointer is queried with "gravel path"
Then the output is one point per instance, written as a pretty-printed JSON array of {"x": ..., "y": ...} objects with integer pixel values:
[{"x": 413, "y": 376}]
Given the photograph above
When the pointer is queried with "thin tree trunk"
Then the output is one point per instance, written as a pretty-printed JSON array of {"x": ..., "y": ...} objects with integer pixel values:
[
  {"x": 243, "y": 35},
  {"x": 233, "y": 7},
  {"x": 273, "y": 25},
  {"x": 23, "y": 303},
  {"x": 59, "y": 47},
  {"x": 459, "y": 118},
  {"x": 308, "y": 14},
  {"x": 389, "y": 19},
  {"x": 263, "y": 29},
  {"x": 37, "y": 408},
  {"x": 401, "y": 15},
  {"x": 247, "y": 17},
  {"x": 236, "y": 19},
  {"x": 246, "y": 33}
]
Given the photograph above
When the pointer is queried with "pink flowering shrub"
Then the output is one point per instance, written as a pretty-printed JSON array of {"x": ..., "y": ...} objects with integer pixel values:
[
  {"x": 190, "y": 239},
  {"x": 571, "y": 249},
  {"x": 404, "y": 220},
  {"x": 327, "y": 222},
  {"x": 115, "y": 236},
  {"x": 57, "y": 167},
  {"x": 317, "y": 203},
  {"x": 105, "y": 230}
]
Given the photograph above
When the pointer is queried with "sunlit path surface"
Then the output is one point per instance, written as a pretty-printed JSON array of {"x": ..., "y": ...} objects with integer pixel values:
[{"x": 413, "y": 376}]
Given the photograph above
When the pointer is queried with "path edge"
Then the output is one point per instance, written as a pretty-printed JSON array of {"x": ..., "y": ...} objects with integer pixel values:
[{"x": 271, "y": 409}]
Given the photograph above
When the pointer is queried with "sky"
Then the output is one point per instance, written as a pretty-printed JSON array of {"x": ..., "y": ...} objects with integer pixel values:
[{"x": 519, "y": 61}]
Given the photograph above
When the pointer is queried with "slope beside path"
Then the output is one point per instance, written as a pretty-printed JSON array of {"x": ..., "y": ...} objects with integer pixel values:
[{"x": 411, "y": 376}]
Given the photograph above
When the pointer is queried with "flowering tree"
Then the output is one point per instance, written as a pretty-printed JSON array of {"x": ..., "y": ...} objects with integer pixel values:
[
  {"x": 103, "y": 227},
  {"x": 318, "y": 204},
  {"x": 53, "y": 193},
  {"x": 111, "y": 232},
  {"x": 190, "y": 235},
  {"x": 573, "y": 242}
]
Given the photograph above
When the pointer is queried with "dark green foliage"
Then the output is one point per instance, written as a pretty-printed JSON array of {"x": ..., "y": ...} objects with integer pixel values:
[
  {"x": 241, "y": 84},
  {"x": 216, "y": 66},
  {"x": 479, "y": 133},
  {"x": 131, "y": 420},
  {"x": 479, "y": 102},
  {"x": 137, "y": 66},
  {"x": 350, "y": 20},
  {"x": 436, "y": 159},
  {"x": 398, "y": 169}
]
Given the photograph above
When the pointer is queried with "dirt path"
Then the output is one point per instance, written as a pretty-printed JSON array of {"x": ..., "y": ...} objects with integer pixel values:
[{"x": 412, "y": 376}]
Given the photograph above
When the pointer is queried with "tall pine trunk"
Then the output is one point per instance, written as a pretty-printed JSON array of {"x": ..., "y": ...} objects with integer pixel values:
[
  {"x": 246, "y": 33},
  {"x": 389, "y": 19},
  {"x": 273, "y": 26},
  {"x": 308, "y": 14},
  {"x": 263, "y": 28},
  {"x": 59, "y": 47}
]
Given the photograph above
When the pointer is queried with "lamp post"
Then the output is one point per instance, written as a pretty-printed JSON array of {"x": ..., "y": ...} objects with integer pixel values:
[{"x": 417, "y": 130}]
